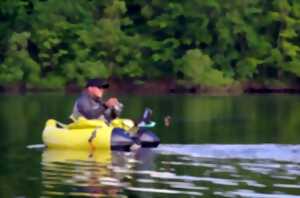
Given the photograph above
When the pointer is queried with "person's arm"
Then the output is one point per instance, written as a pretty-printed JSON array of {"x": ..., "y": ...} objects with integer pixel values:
[{"x": 85, "y": 108}]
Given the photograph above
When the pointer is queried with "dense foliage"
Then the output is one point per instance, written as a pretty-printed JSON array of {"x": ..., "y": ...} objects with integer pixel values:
[{"x": 49, "y": 43}]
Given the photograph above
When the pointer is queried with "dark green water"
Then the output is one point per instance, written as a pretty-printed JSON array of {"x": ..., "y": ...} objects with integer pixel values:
[{"x": 243, "y": 146}]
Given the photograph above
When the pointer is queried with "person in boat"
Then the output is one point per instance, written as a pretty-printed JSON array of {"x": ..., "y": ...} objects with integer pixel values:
[{"x": 91, "y": 105}]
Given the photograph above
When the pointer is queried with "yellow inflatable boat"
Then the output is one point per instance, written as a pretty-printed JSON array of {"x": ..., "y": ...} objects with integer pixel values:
[{"x": 85, "y": 134}]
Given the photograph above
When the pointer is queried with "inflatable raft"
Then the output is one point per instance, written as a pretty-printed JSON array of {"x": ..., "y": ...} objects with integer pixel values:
[{"x": 83, "y": 134}]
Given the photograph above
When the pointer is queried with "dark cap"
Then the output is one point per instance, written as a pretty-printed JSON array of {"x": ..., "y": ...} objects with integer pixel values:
[{"x": 102, "y": 84}]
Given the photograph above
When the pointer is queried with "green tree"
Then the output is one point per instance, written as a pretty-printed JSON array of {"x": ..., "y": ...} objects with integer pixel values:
[
  {"x": 18, "y": 66},
  {"x": 197, "y": 67},
  {"x": 71, "y": 41}
]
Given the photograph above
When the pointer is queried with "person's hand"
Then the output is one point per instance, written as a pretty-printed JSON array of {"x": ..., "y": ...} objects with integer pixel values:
[{"x": 112, "y": 102}]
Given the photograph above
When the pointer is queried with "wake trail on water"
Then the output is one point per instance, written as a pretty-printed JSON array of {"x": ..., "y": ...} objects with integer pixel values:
[{"x": 277, "y": 152}]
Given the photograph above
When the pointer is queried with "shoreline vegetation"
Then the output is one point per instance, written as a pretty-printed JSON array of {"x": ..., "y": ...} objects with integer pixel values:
[
  {"x": 167, "y": 86},
  {"x": 175, "y": 46}
]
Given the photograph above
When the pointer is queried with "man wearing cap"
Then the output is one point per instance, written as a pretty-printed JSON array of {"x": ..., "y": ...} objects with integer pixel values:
[{"x": 90, "y": 104}]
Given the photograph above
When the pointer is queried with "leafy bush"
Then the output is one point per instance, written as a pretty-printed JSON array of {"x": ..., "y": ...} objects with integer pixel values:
[
  {"x": 197, "y": 67},
  {"x": 18, "y": 65}
]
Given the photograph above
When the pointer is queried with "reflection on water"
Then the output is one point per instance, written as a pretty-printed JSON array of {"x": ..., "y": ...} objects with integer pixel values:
[
  {"x": 178, "y": 170},
  {"x": 80, "y": 173},
  {"x": 195, "y": 119},
  {"x": 174, "y": 170}
]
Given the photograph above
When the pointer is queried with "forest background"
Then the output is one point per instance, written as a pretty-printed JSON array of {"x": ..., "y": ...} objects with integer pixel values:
[{"x": 50, "y": 44}]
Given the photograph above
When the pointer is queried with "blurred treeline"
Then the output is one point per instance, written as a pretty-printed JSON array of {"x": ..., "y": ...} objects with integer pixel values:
[{"x": 50, "y": 43}]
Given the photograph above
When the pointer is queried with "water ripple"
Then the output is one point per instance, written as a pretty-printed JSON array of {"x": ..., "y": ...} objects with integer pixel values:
[
  {"x": 186, "y": 171},
  {"x": 277, "y": 152}
]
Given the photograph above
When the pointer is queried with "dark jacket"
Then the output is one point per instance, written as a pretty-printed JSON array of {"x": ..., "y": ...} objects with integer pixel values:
[{"x": 89, "y": 108}]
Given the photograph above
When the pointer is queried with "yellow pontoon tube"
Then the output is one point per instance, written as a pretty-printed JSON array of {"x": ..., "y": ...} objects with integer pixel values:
[{"x": 96, "y": 134}]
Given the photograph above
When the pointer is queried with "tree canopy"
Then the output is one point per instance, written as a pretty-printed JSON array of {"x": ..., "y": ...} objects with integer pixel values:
[{"x": 49, "y": 43}]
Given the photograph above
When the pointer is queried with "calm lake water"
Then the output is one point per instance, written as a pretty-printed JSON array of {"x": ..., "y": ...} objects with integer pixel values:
[{"x": 233, "y": 146}]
